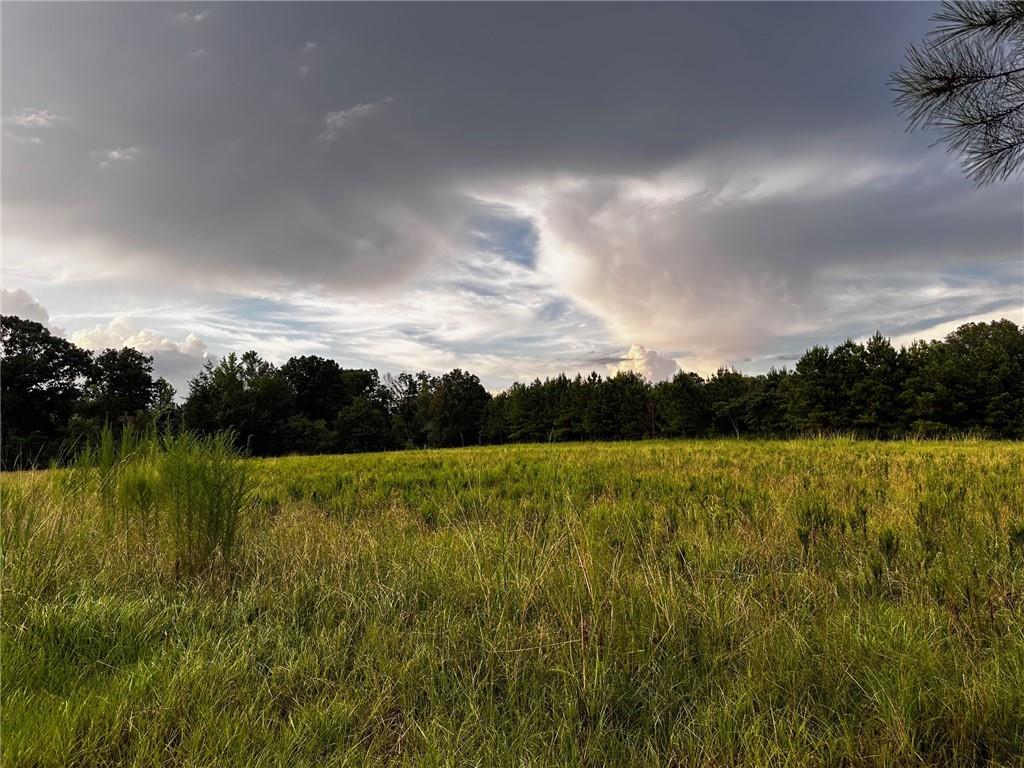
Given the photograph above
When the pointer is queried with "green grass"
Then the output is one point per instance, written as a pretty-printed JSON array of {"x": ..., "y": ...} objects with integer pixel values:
[{"x": 661, "y": 603}]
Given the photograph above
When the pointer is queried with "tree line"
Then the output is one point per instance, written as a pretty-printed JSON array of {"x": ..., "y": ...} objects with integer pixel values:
[{"x": 56, "y": 397}]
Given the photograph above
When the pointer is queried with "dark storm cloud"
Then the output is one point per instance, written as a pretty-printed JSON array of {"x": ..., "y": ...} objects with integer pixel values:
[{"x": 700, "y": 176}]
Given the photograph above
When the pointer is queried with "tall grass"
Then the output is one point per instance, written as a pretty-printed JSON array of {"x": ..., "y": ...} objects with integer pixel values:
[
  {"x": 205, "y": 489},
  {"x": 691, "y": 604},
  {"x": 181, "y": 496}
]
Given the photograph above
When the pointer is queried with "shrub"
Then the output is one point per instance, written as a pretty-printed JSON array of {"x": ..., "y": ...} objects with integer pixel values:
[
  {"x": 198, "y": 488},
  {"x": 206, "y": 488}
]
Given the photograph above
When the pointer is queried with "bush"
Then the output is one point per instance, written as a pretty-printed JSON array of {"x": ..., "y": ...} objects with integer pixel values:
[
  {"x": 198, "y": 488},
  {"x": 206, "y": 488}
]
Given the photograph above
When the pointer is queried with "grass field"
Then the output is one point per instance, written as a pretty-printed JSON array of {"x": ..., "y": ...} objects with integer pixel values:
[{"x": 660, "y": 603}]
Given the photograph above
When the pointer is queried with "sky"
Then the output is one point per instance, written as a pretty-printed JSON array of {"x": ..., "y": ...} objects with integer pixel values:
[{"x": 515, "y": 189}]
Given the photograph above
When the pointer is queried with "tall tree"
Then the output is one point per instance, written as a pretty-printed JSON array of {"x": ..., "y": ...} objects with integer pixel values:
[
  {"x": 245, "y": 394},
  {"x": 120, "y": 387},
  {"x": 682, "y": 406},
  {"x": 318, "y": 386},
  {"x": 457, "y": 406},
  {"x": 811, "y": 406},
  {"x": 727, "y": 393},
  {"x": 974, "y": 380},
  {"x": 875, "y": 393},
  {"x": 40, "y": 388}
]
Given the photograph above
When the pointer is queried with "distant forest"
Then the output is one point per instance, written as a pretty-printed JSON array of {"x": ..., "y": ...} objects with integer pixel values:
[{"x": 56, "y": 397}]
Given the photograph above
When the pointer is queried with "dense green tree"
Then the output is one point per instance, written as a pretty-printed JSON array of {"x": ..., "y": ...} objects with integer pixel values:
[
  {"x": 875, "y": 393},
  {"x": 811, "y": 406},
  {"x": 632, "y": 408},
  {"x": 166, "y": 412},
  {"x": 600, "y": 415},
  {"x": 974, "y": 380},
  {"x": 362, "y": 426},
  {"x": 456, "y": 410},
  {"x": 410, "y": 397},
  {"x": 52, "y": 391},
  {"x": 765, "y": 412},
  {"x": 245, "y": 394},
  {"x": 494, "y": 429},
  {"x": 119, "y": 388},
  {"x": 318, "y": 386},
  {"x": 727, "y": 395},
  {"x": 40, "y": 388},
  {"x": 682, "y": 406}
]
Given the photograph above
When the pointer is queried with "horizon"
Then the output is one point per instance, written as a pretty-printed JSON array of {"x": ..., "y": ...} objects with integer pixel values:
[{"x": 515, "y": 190}]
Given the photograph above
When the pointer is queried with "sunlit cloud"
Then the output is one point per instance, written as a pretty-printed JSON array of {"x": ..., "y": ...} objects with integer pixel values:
[{"x": 515, "y": 220}]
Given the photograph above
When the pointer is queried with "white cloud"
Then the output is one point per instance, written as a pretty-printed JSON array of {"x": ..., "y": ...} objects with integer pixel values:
[
  {"x": 336, "y": 122},
  {"x": 117, "y": 155},
  {"x": 22, "y": 138},
  {"x": 303, "y": 70},
  {"x": 193, "y": 18},
  {"x": 650, "y": 364},
  {"x": 25, "y": 123},
  {"x": 725, "y": 264},
  {"x": 176, "y": 361},
  {"x": 20, "y": 303},
  {"x": 122, "y": 332},
  {"x": 198, "y": 53},
  {"x": 34, "y": 118},
  {"x": 309, "y": 46}
]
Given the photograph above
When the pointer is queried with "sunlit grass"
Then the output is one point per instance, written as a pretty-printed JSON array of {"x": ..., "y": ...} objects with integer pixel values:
[{"x": 689, "y": 603}]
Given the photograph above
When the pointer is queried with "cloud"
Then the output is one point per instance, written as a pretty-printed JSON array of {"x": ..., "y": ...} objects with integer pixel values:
[
  {"x": 20, "y": 303},
  {"x": 27, "y": 122},
  {"x": 341, "y": 120},
  {"x": 652, "y": 365},
  {"x": 723, "y": 267},
  {"x": 198, "y": 53},
  {"x": 21, "y": 138},
  {"x": 176, "y": 361},
  {"x": 116, "y": 156},
  {"x": 772, "y": 201},
  {"x": 302, "y": 71},
  {"x": 34, "y": 118},
  {"x": 309, "y": 46},
  {"x": 193, "y": 18},
  {"x": 122, "y": 332}
]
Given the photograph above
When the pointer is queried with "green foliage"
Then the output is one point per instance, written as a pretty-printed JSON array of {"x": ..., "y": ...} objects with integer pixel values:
[
  {"x": 39, "y": 390},
  {"x": 194, "y": 489},
  {"x": 205, "y": 489},
  {"x": 970, "y": 383}
]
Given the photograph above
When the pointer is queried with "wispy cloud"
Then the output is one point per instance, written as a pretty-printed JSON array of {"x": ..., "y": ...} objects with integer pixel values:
[
  {"x": 22, "y": 138},
  {"x": 337, "y": 122},
  {"x": 25, "y": 124},
  {"x": 28, "y": 117},
  {"x": 642, "y": 211},
  {"x": 116, "y": 156},
  {"x": 194, "y": 18}
]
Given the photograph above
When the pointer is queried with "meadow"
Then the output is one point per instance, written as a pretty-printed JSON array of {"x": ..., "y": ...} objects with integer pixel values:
[{"x": 702, "y": 603}]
